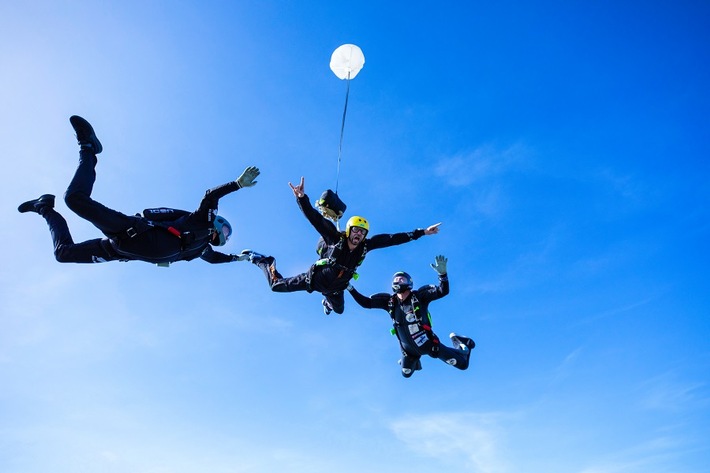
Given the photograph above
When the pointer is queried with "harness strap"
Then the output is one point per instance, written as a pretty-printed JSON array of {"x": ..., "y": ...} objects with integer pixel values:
[
  {"x": 337, "y": 250},
  {"x": 427, "y": 328},
  {"x": 140, "y": 225}
]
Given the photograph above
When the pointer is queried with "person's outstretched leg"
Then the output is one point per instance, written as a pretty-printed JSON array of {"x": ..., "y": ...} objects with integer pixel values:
[
  {"x": 334, "y": 301},
  {"x": 65, "y": 250},
  {"x": 410, "y": 364},
  {"x": 85, "y": 135},
  {"x": 78, "y": 194},
  {"x": 459, "y": 355},
  {"x": 276, "y": 281}
]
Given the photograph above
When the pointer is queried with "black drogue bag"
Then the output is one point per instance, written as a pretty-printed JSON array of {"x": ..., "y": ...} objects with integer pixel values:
[{"x": 330, "y": 205}]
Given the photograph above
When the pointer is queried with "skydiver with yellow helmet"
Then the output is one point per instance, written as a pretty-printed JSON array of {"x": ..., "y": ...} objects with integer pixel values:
[{"x": 340, "y": 254}]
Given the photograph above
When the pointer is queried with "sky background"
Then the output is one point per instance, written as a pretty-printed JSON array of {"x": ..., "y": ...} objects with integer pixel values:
[{"x": 564, "y": 146}]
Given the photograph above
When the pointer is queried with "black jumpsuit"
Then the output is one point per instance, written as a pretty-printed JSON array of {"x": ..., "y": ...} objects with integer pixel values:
[
  {"x": 330, "y": 276},
  {"x": 153, "y": 244},
  {"x": 413, "y": 327}
]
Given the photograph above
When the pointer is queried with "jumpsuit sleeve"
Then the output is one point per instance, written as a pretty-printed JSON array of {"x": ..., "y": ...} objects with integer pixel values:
[
  {"x": 432, "y": 292},
  {"x": 391, "y": 239},
  {"x": 322, "y": 225},
  {"x": 210, "y": 201},
  {"x": 377, "y": 301},
  {"x": 215, "y": 257}
]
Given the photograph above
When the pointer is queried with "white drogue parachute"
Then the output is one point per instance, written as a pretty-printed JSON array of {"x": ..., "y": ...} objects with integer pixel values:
[{"x": 345, "y": 62}]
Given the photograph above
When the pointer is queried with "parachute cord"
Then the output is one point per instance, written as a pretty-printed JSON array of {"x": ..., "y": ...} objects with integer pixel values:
[{"x": 342, "y": 130}]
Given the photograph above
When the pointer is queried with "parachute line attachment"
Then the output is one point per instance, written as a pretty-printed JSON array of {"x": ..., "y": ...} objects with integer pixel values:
[
  {"x": 342, "y": 132},
  {"x": 346, "y": 62}
]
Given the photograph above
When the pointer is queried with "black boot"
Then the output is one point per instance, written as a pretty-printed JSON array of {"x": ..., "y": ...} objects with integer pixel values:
[
  {"x": 46, "y": 200},
  {"x": 85, "y": 134}
]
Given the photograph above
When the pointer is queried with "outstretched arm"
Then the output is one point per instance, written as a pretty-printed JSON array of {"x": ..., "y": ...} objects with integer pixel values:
[
  {"x": 322, "y": 225},
  {"x": 391, "y": 239},
  {"x": 437, "y": 292},
  {"x": 211, "y": 199},
  {"x": 215, "y": 257},
  {"x": 377, "y": 301}
]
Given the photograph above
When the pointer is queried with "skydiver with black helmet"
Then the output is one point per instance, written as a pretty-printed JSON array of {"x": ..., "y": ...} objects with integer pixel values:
[
  {"x": 409, "y": 310},
  {"x": 160, "y": 236},
  {"x": 340, "y": 254}
]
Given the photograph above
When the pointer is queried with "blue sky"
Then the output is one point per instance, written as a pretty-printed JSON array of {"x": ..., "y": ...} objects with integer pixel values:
[{"x": 564, "y": 146}]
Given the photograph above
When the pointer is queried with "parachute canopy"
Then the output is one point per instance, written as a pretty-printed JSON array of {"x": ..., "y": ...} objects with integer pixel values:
[{"x": 346, "y": 61}]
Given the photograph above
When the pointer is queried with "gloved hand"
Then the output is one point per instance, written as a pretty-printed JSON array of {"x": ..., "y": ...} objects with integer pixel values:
[
  {"x": 440, "y": 264},
  {"x": 248, "y": 176},
  {"x": 242, "y": 257}
]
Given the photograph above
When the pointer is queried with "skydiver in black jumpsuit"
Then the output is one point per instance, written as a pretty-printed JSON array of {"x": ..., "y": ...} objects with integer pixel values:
[
  {"x": 409, "y": 310},
  {"x": 341, "y": 253},
  {"x": 161, "y": 236}
]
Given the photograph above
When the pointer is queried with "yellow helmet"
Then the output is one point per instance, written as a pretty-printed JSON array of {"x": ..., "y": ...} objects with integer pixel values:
[{"x": 356, "y": 222}]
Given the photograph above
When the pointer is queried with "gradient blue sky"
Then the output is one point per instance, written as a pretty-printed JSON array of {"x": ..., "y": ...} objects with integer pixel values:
[{"x": 564, "y": 146}]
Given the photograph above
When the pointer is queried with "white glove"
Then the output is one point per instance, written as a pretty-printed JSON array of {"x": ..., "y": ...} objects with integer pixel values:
[
  {"x": 248, "y": 176},
  {"x": 440, "y": 264}
]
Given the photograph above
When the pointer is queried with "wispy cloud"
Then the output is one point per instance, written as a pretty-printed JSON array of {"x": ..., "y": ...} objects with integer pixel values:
[
  {"x": 529, "y": 267},
  {"x": 484, "y": 162},
  {"x": 614, "y": 311},
  {"x": 625, "y": 186},
  {"x": 666, "y": 392},
  {"x": 467, "y": 441},
  {"x": 567, "y": 365},
  {"x": 652, "y": 456}
]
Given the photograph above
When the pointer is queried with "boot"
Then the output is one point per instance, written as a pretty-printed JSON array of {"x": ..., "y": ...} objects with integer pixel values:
[
  {"x": 46, "y": 200},
  {"x": 251, "y": 256},
  {"x": 85, "y": 134},
  {"x": 463, "y": 343},
  {"x": 327, "y": 307}
]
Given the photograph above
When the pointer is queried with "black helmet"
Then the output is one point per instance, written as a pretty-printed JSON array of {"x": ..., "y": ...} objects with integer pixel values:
[{"x": 402, "y": 282}]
